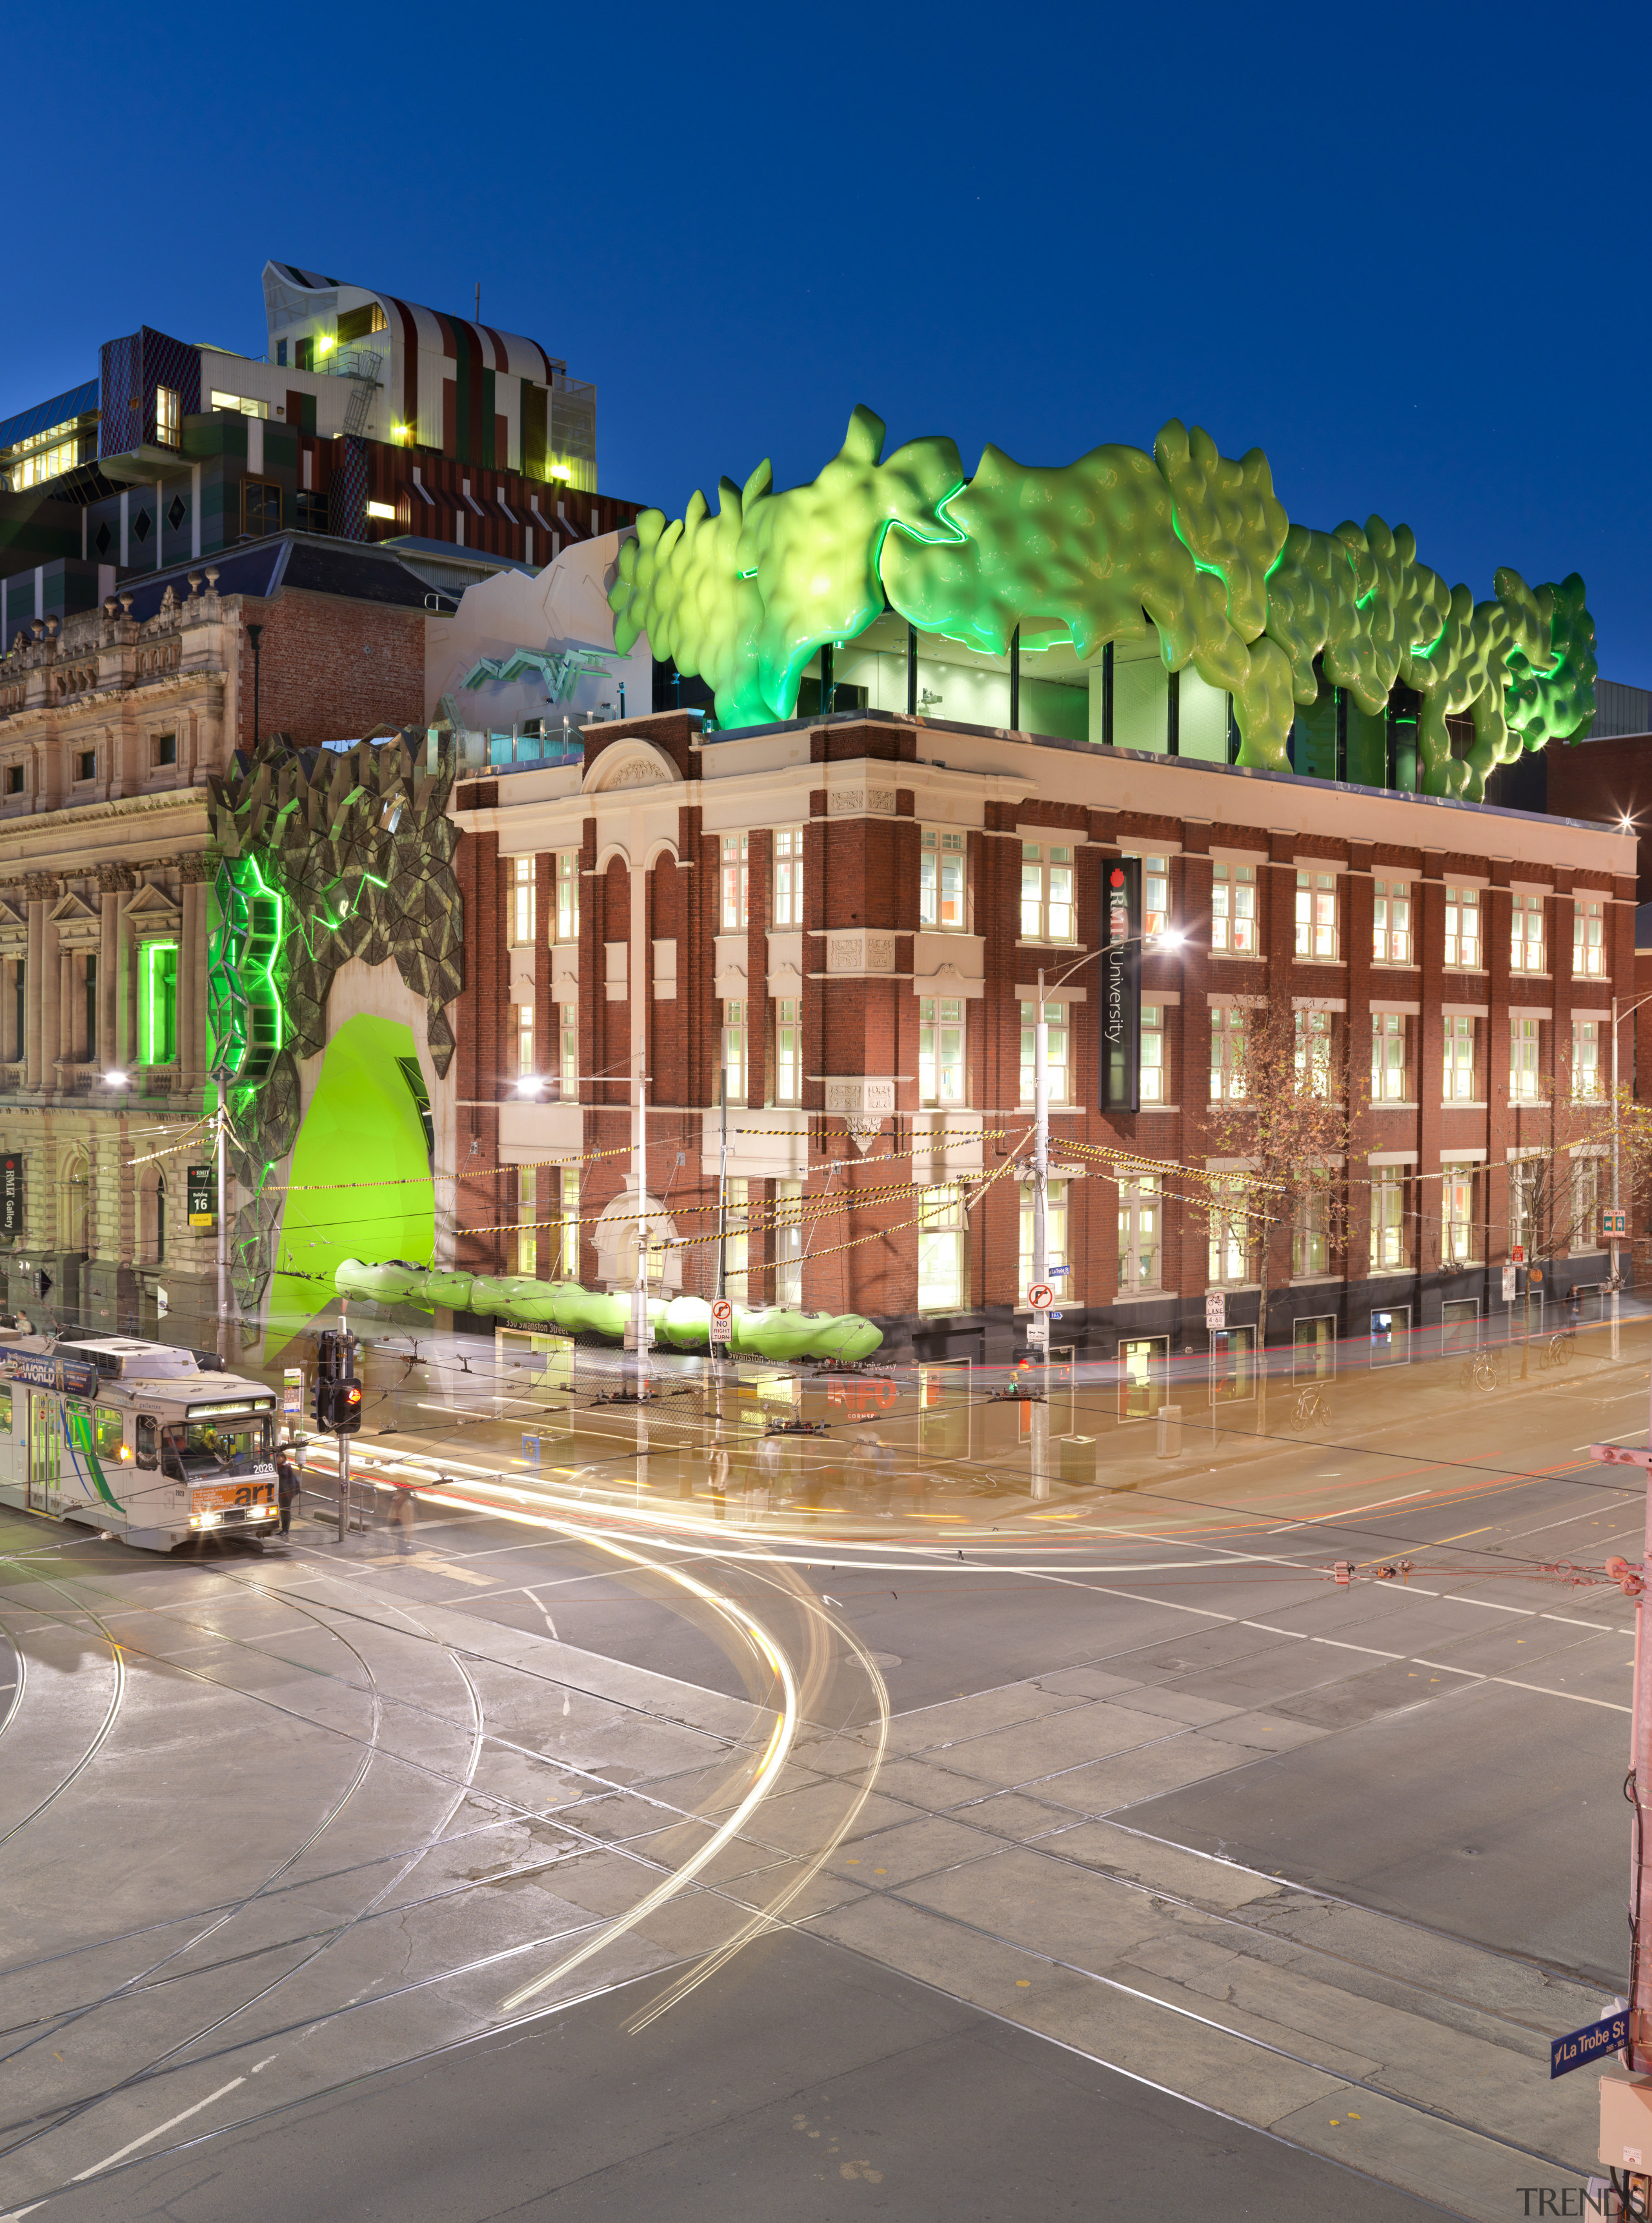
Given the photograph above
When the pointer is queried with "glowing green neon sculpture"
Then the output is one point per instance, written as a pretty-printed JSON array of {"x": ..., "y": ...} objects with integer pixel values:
[
  {"x": 1093, "y": 552},
  {"x": 684, "y": 1323},
  {"x": 243, "y": 1004}
]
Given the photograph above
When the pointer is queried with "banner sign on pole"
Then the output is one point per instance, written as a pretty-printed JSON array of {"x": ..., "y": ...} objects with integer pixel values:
[
  {"x": 723, "y": 1320},
  {"x": 1215, "y": 1310},
  {"x": 1121, "y": 984},
  {"x": 202, "y": 1194},
  {"x": 1509, "y": 1290},
  {"x": 11, "y": 1193}
]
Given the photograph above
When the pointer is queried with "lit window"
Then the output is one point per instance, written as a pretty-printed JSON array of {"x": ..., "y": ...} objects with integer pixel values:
[
  {"x": 158, "y": 1003},
  {"x": 1232, "y": 909},
  {"x": 733, "y": 1052},
  {"x": 242, "y": 405},
  {"x": 735, "y": 1223},
  {"x": 940, "y": 1050},
  {"x": 1316, "y": 915},
  {"x": 1141, "y": 1221},
  {"x": 1154, "y": 1088},
  {"x": 567, "y": 895},
  {"x": 1390, "y": 936},
  {"x": 1587, "y": 1077},
  {"x": 568, "y": 1050},
  {"x": 736, "y": 855},
  {"x": 1056, "y": 1036},
  {"x": 941, "y": 857},
  {"x": 49, "y": 454},
  {"x": 1227, "y": 1055},
  {"x": 1047, "y": 912},
  {"x": 1526, "y": 937},
  {"x": 1463, "y": 928},
  {"x": 1156, "y": 894},
  {"x": 1387, "y": 1057},
  {"x": 788, "y": 1243},
  {"x": 788, "y": 877},
  {"x": 524, "y": 1041},
  {"x": 1524, "y": 1042},
  {"x": 1527, "y": 1185},
  {"x": 1387, "y": 1221},
  {"x": 1313, "y": 1051},
  {"x": 568, "y": 1230},
  {"x": 788, "y": 1051},
  {"x": 521, "y": 892},
  {"x": 1457, "y": 1229},
  {"x": 1588, "y": 939},
  {"x": 941, "y": 1236},
  {"x": 1461, "y": 1087},
  {"x": 1055, "y": 1253},
  {"x": 168, "y": 418},
  {"x": 527, "y": 1213},
  {"x": 384, "y": 510},
  {"x": 1310, "y": 1245},
  {"x": 1230, "y": 1231}
]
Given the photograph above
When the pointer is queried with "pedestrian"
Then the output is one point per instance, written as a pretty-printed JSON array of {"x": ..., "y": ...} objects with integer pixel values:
[
  {"x": 405, "y": 1513},
  {"x": 766, "y": 1473},
  {"x": 287, "y": 1486},
  {"x": 1573, "y": 1310}
]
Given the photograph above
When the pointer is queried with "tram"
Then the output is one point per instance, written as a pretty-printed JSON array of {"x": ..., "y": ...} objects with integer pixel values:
[{"x": 135, "y": 1438}]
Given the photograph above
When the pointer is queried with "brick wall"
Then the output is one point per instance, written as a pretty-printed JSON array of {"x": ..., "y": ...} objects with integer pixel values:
[{"x": 329, "y": 670}]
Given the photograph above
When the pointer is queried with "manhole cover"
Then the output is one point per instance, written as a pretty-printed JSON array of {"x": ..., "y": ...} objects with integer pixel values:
[{"x": 884, "y": 1659}]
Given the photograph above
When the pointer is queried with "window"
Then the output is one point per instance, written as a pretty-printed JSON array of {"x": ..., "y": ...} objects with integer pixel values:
[
  {"x": 1463, "y": 928},
  {"x": 522, "y": 903},
  {"x": 1056, "y": 1038},
  {"x": 52, "y": 452},
  {"x": 1587, "y": 1078},
  {"x": 261, "y": 507},
  {"x": 1525, "y": 1192},
  {"x": 1588, "y": 944},
  {"x": 568, "y": 1228},
  {"x": 1156, "y": 894},
  {"x": 86, "y": 764},
  {"x": 1056, "y": 1258},
  {"x": 527, "y": 1212},
  {"x": 1230, "y": 1231},
  {"x": 163, "y": 751},
  {"x": 733, "y": 1052},
  {"x": 735, "y": 1225},
  {"x": 1313, "y": 1051},
  {"x": 567, "y": 895},
  {"x": 243, "y": 405},
  {"x": 169, "y": 415},
  {"x": 310, "y": 510},
  {"x": 524, "y": 1041},
  {"x": 1141, "y": 1223},
  {"x": 1389, "y": 1249},
  {"x": 736, "y": 889},
  {"x": 940, "y": 1050},
  {"x": 788, "y": 1051},
  {"x": 1047, "y": 913},
  {"x": 940, "y": 1229},
  {"x": 1388, "y": 1058},
  {"x": 14, "y": 779},
  {"x": 1524, "y": 1043},
  {"x": 157, "y": 1013},
  {"x": 1459, "y": 1231},
  {"x": 1154, "y": 1087},
  {"x": 1227, "y": 1055},
  {"x": 1459, "y": 1085},
  {"x": 1526, "y": 935},
  {"x": 89, "y": 986},
  {"x": 788, "y": 877},
  {"x": 1316, "y": 915},
  {"x": 1310, "y": 1245},
  {"x": 153, "y": 1206},
  {"x": 1390, "y": 935},
  {"x": 1232, "y": 909},
  {"x": 940, "y": 904},
  {"x": 568, "y": 1050},
  {"x": 788, "y": 1244},
  {"x": 1587, "y": 1170}
]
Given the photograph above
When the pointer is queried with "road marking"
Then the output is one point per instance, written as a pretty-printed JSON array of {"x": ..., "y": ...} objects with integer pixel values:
[
  {"x": 1542, "y": 1689},
  {"x": 1348, "y": 1512},
  {"x": 171, "y": 2124},
  {"x": 1459, "y": 1537}
]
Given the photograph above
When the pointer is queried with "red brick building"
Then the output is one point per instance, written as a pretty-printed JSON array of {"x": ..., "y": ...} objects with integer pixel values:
[{"x": 846, "y": 921}]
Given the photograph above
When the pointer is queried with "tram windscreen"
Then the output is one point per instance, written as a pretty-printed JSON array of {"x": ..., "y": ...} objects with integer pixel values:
[{"x": 207, "y": 1448}]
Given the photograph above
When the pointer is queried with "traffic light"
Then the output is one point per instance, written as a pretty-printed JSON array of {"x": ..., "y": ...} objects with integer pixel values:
[{"x": 338, "y": 1406}]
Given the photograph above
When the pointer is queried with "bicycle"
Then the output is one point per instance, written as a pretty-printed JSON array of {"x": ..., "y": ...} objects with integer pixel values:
[
  {"x": 1313, "y": 1407},
  {"x": 1558, "y": 1348},
  {"x": 1479, "y": 1371}
]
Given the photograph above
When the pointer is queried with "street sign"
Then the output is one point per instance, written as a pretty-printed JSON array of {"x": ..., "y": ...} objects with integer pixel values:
[
  {"x": 1041, "y": 1296},
  {"x": 723, "y": 1320},
  {"x": 1612, "y": 1222},
  {"x": 202, "y": 1195},
  {"x": 1039, "y": 1329},
  {"x": 1620, "y": 1455},
  {"x": 1580, "y": 2047},
  {"x": 11, "y": 1193},
  {"x": 291, "y": 1392},
  {"x": 1519, "y": 1254},
  {"x": 1215, "y": 1310},
  {"x": 1510, "y": 1276}
]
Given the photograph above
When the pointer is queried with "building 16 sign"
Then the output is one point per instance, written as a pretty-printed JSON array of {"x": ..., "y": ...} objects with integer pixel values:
[
  {"x": 201, "y": 1183},
  {"x": 1121, "y": 984}
]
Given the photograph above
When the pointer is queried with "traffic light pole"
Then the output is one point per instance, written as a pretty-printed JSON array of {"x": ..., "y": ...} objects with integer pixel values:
[{"x": 343, "y": 1442}]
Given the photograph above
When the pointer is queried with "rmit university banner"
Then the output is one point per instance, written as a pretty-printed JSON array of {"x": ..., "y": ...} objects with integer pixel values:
[{"x": 1121, "y": 984}]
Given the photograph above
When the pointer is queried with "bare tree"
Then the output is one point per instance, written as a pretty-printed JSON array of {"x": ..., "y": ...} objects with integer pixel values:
[{"x": 1286, "y": 1118}]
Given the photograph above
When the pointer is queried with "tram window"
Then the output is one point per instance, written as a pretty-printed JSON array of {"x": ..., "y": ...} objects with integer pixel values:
[
  {"x": 109, "y": 1424},
  {"x": 213, "y": 1447},
  {"x": 5, "y": 1411},
  {"x": 146, "y": 1455}
]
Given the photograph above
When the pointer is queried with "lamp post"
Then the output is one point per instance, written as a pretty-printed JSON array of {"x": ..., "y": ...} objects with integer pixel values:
[
  {"x": 1167, "y": 940},
  {"x": 1617, "y": 1018}
]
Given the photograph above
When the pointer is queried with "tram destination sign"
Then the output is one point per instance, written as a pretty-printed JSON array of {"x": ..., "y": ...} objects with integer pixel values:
[{"x": 73, "y": 1377}]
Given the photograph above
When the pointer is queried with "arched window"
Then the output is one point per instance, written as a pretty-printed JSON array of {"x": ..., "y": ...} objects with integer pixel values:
[
  {"x": 157, "y": 1228},
  {"x": 74, "y": 1189}
]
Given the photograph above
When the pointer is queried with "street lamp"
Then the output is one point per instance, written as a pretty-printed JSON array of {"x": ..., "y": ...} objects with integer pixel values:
[{"x": 1617, "y": 1018}]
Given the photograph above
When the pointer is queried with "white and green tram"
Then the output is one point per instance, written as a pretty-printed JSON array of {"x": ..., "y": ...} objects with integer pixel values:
[{"x": 137, "y": 1440}]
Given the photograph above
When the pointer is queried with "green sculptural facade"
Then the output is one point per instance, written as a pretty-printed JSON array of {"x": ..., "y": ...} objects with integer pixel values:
[{"x": 1186, "y": 543}]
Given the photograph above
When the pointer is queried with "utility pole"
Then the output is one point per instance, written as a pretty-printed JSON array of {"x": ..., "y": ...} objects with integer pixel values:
[
  {"x": 1618, "y": 1019},
  {"x": 1039, "y": 1329},
  {"x": 639, "y": 1295}
]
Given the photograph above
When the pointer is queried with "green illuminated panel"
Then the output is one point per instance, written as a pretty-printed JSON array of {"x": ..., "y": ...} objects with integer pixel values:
[
  {"x": 158, "y": 1004},
  {"x": 1186, "y": 545},
  {"x": 243, "y": 1005}
]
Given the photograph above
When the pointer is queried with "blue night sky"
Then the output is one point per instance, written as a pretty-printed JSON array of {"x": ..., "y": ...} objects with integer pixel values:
[{"x": 1400, "y": 248}]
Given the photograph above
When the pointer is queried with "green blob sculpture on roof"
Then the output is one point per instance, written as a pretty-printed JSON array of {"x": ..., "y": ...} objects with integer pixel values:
[{"x": 1186, "y": 540}]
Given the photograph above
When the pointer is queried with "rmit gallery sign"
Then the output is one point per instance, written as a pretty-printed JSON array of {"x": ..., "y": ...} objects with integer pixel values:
[{"x": 1121, "y": 984}]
